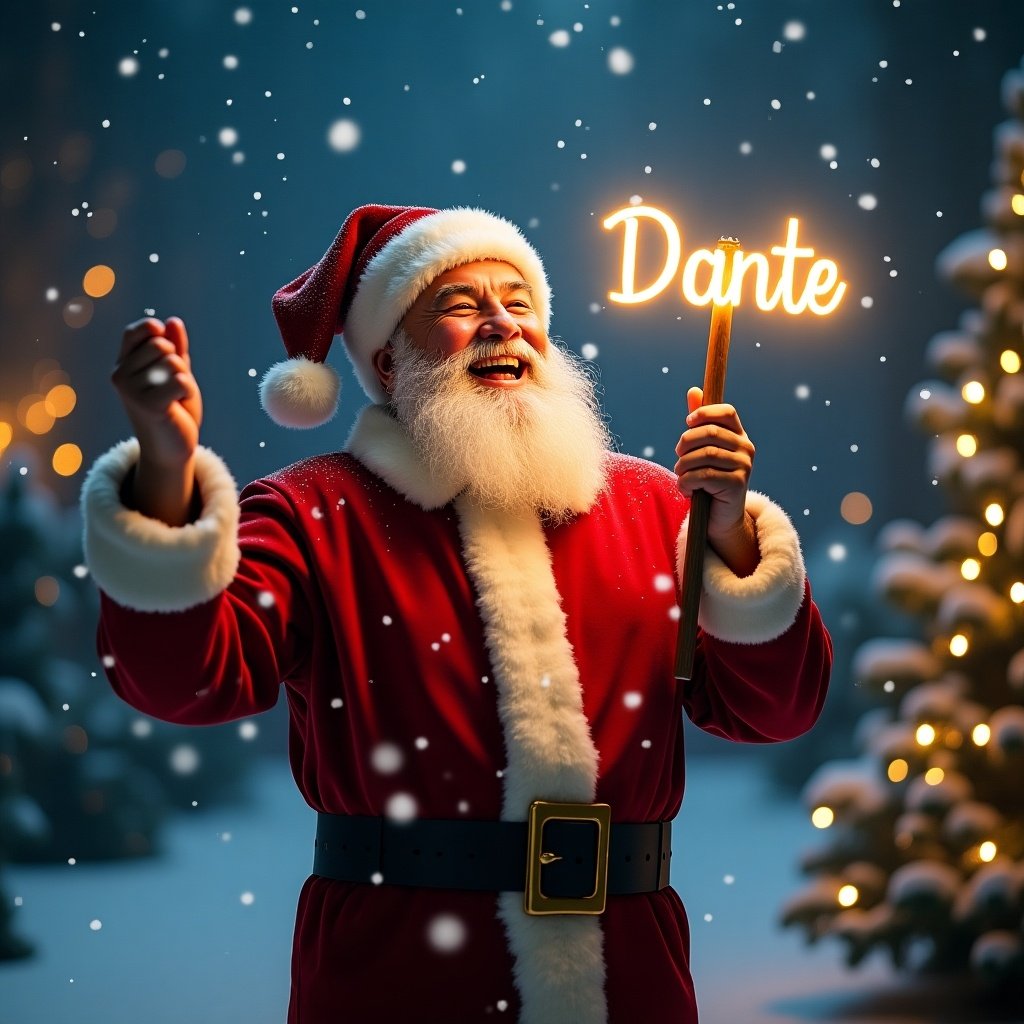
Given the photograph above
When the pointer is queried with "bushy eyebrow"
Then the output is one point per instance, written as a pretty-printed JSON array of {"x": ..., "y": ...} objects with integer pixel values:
[{"x": 446, "y": 291}]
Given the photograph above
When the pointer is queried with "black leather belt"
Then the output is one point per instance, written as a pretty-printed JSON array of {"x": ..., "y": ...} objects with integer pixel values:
[{"x": 569, "y": 847}]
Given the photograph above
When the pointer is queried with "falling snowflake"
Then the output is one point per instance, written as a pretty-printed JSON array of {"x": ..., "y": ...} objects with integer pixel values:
[
  {"x": 401, "y": 807},
  {"x": 632, "y": 699},
  {"x": 184, "y": 759},
  {"x": 343, "y": 135},
  {"x": 446, "y": 933},
  {"x": 386, "y": 758},
  {"x": 620, "y": 60}
]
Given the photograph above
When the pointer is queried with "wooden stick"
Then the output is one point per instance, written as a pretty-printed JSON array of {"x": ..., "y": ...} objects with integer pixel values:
[{"x": 700, "y": 506}]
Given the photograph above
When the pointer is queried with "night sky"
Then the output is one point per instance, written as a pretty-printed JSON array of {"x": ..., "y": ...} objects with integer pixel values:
[{"x": 207, "y": 153}]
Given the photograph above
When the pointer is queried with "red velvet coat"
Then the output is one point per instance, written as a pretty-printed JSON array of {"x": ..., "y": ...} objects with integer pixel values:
[{"x": 359, "y": 601}]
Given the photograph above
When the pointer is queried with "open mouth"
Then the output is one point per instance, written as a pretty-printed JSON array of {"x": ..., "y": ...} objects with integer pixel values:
[{"x": 499, "y": 368}]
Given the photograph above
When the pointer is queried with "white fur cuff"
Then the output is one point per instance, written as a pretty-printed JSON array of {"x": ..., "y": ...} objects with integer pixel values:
[
  {"x": 762, "y": 606},
  {"x": 143, "y": 563}
]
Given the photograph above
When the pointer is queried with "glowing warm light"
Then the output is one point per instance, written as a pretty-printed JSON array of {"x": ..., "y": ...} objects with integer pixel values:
[
  {"x": 988, "y": 543},
  {"x": 47, "y": 590},
  {"x": 6, "y": 434},
  {"x": 1016, "y": 591},
  {"x": 973, "y": 391},
  {"x": 60, "y": 399},
  {"x": 1009, "y": 361},
  {"x": 98, "y": 281},
  {"x": 997, "y": 259},
  {"x": 994, "y": 514},
  {"x": 822, "y": 817},
  {"x": 958, "y": 645},
  {"x": 987, "y": 850},
  {"x": 67, "y": 460},
  {"x": 856, "y": 508},
  {"x": 821, "y": 291},
  {"x": 1017, "y": 204},
  {"x": 898, "y": 770},
  {"x": 847, "y": 896},
  {"x": 966, "y": 445},
  {"x": 38, "y": 418},
  {"x": 934, "y": 776},
  {"x": 925, "y": 734},
  {"x": 981, "y": 734},
  {"x": 970, "y": 569}
]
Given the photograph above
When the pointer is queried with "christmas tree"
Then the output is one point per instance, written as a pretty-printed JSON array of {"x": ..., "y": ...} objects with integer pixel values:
[{"x": 925, "y": 851}]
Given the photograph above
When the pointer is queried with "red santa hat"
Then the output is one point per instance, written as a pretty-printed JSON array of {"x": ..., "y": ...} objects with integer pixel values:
[{"x": 380, "y": 262}]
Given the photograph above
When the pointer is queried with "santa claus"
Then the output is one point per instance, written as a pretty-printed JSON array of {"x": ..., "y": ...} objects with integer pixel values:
[{"x": 472, "y": 610}]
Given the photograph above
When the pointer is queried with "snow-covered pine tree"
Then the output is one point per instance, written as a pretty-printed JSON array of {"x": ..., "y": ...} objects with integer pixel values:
[{"x": 925, "y": 849}]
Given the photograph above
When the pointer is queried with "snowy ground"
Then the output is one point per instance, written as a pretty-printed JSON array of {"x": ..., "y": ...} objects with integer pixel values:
[{"x": 203, "y": 933}]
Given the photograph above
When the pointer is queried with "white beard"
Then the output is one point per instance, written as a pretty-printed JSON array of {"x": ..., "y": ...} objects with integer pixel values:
[{"x": 540, "y": 446}]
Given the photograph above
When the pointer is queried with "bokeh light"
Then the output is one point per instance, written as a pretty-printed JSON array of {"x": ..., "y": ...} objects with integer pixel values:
[
  {"x": 856, "y": 508},
  {"x": 60, "y": 399},
  {"x": 997, "y": 259},
  {"x": 1009, "y": 361},
  {"x": 67, "y": 459},
  {"x": 959, "y": 645},
  {"x": 822, "y": 817},
  {"x": 966, "y": 445},
  {"x": 847, "y": 895},
  {"x": 98, "y": 281},
  {"x": 973, "y": 392}
]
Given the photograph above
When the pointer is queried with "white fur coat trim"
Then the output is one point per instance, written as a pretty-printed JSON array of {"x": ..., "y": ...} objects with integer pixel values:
[
  {"x": 559, "y": 961},
  {"x": 143, "y": 563},
  {"x": 381, "y": 443},
  {"x": 762, "y": 606}
]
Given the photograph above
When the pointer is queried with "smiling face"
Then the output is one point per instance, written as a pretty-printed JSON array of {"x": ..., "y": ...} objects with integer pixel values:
[{"x": 485, "y": 303}]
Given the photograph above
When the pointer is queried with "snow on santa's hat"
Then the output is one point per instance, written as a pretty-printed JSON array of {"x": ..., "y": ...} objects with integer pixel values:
[{"x": 380, "y": 262}]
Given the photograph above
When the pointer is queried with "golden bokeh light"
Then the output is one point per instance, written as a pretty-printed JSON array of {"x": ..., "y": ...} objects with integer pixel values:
[
  {"x": 981, "y": 734},
  {"x": 973, "y": 392},
  {"x": 1016, "y": 590},
  {"x": 898, "y": 770},
  {"x": 966, "y": 445},
  {"x": 1017, "y": 204},
  {"x": 934, "y": 776},
  {"x": 994, "y": 514},
  {"x": 47, "y": 590},
  {"x": 987, "y": 851},
  {"x": 61, "y": 399},
  {"x": 970, "y": 569},
  {"x": 1009, "y": 361},
  {"x": 847, "y": 895},
  {"x": 822, "y": 817},
  {"x": 958, "y": 645},
  {"x": 997, "y": 259},
  {"x": 988, "y": 544},
  {"x": 856, "y": 508},
  {"x": 67, "y": 459},
  {"x": 98, "y": 281},
  {"x": 925, "y": 734},
  {"x": 38, "y": 417},
  {"x": 6, "y": 434}
]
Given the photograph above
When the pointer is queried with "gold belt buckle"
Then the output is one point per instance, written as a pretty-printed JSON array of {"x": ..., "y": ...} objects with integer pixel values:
[{"x": 541, "y": 812}]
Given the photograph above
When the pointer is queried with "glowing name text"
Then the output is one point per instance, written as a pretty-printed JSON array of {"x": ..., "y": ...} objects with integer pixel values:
[{"x": 820, "y": 293}]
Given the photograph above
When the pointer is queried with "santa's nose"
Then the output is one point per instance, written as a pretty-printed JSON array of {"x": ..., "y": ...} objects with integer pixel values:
[{"x": 499, "y": 327}]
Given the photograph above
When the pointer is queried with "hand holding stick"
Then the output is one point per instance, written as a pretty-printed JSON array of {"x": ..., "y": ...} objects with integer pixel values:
[{"x": 700, "y": 506}]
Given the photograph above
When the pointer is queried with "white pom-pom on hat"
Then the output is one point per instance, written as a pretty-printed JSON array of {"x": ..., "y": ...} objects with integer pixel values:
[{"x": 300, "y": 392}]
